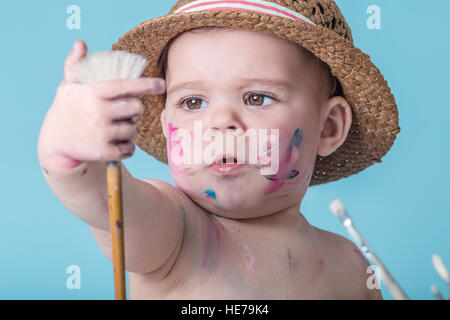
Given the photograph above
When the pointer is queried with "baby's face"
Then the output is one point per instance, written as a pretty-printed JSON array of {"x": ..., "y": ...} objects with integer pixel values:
[{"x": 244, "y": 82}]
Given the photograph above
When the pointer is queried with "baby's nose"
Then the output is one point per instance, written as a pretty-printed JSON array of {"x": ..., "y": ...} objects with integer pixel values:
[
  {"x": 229, "y": 126},
  {"x": 223, "y": 119}
]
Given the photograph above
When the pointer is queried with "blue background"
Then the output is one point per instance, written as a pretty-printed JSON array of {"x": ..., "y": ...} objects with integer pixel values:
[{"x": 401, "y": 205}]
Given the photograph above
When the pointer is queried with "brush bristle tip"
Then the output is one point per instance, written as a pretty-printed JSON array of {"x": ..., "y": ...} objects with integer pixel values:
[
  {"x": 337, "y": 207},
  {"x": 110, "y": 65},
  {"x": 440, "y": 267}
]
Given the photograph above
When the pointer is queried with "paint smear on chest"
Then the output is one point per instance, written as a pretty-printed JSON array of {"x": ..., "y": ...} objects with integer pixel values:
[
  {"x": 247, "y": 263},
  {"x": 211, "y": 235},
  {"x": 319, "y": 267}
]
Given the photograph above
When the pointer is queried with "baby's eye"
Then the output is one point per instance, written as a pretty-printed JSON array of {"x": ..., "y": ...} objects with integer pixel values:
[
  {"x": 191, "y": 103},
  {"x": 257, "y": 99}
]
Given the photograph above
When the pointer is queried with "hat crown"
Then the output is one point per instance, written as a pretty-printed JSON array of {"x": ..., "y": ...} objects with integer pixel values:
[{"x": 324, "y": 13}]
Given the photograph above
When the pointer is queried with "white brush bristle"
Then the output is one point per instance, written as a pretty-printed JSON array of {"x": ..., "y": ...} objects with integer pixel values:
[
  {"x": 434, "y": 289},
  {"x": 436, "y": 292},
  {"x": 109, "y": 65},
  {"x": 337, "y": 207},
  {"x": 440, "y": 267}
]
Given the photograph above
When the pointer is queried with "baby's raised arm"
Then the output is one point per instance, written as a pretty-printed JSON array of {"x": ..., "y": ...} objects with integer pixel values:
[{"x": 86, "y": 126}]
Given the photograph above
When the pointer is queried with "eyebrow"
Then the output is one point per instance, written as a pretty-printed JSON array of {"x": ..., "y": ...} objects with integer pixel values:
[{"x": 277, "y": 83}]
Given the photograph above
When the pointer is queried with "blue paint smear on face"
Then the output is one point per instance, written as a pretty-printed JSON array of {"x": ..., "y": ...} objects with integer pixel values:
[
  {"x": 293, "y": 174},
  {"x": 296, "y": 140},
  {"x": 211, "y": 193}
]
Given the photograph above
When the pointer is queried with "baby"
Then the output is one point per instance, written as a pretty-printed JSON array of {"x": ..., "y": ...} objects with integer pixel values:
[{"x": 226, "y": 231}]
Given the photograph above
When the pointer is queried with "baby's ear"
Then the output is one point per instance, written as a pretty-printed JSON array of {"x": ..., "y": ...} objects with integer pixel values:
[
  {"x": 164, "y": 122},
  {"x": 337, "y": 122}
]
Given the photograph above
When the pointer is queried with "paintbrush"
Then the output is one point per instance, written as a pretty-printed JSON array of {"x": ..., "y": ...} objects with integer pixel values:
[
  {"x": 338, "y": 209},
  {"x": 436, "y": 292},
  {"x": 441, "y": 268},
  {"x": 102, "y": 66}
]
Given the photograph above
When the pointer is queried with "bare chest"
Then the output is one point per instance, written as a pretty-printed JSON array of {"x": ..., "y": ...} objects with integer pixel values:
[{"x": 232, "y": 264}]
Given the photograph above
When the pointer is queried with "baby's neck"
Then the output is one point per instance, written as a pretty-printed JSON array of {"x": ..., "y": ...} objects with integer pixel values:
[{"x": 289, "y": 217}]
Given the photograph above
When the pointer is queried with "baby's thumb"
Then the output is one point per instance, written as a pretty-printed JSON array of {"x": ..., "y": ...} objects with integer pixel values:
[{"x": 78, "y": 52}]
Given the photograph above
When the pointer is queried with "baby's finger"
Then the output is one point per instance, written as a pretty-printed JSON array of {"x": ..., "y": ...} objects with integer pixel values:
[
  {"x": 124, "y": 148},
  {"x": 126, "y": 109},
  {"x": 78, "y": 52},
  {"x": 114, "y": 89},
  {"x": 122, "y": 130}
]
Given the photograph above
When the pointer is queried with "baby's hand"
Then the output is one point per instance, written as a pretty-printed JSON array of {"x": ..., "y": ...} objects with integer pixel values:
[
  {"x": 94, "y": 122},
  {"x": 90, "y": 123}
]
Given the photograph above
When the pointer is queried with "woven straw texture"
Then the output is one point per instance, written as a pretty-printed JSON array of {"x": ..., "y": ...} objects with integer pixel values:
[{"x": 375, "y": 116}]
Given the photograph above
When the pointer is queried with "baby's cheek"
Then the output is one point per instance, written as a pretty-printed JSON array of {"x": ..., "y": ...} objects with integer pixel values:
[
  {"x": 188, "y": 178},
  {"x": 178, "y": 176},
  {"x": 295, "y": 156},
  {"x": 294, "y": 185}
]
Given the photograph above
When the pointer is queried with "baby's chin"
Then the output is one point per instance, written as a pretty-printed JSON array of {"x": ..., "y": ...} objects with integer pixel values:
[
  {"x": 241, "y": 194},
  {"x": 237, "y": 198},
  {"x": 234, "y": 206},
  {"x": 239, "y": 208}
]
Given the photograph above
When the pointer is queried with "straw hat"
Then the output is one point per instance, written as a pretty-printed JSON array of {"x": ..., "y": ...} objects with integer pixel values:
[{"x": 318, "y": 26}]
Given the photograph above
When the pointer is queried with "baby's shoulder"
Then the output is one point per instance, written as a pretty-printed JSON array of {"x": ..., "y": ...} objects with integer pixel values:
[
  {"x": 339, "y": 244},
  {"x": 349, "y": 262},
  {"x": 160, "y": 184},
  {"x": 170, "y": 191}
]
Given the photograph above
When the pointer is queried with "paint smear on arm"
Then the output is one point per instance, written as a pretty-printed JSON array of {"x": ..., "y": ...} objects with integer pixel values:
[{"x": 104, "y": 202}]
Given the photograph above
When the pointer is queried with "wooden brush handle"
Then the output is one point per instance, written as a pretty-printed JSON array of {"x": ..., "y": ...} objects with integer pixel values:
[{"x": 113, "y": 178}]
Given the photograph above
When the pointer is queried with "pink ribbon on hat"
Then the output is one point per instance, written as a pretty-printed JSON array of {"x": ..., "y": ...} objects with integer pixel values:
[{"x": 250, "y": 5}]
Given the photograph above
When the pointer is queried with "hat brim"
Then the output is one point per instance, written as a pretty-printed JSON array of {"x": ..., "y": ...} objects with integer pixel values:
[{"x": 375, "y": 116}]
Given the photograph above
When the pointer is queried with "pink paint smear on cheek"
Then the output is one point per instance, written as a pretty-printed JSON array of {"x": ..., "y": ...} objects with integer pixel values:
[
  {"x": 172, "y": 131},
  {"x": 177, "y": 168},
  {"x": 273, "y": 186},
  {"x": 290, "y": 186},
  {"x": 285, "y": 171},
  {"x": 207, "y": 196}
]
